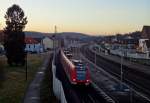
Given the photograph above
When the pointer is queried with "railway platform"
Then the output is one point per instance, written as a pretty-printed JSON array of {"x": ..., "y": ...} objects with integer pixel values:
[{"x": 138, "y": 67}]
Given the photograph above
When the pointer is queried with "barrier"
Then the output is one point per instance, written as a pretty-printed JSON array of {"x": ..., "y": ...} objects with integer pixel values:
[
  {"x": 131, "y": 54},
  {"x": 57, "y": 85}
]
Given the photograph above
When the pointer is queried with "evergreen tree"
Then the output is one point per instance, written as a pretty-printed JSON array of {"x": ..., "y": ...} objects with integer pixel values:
[{"x": 14, "y": 36}]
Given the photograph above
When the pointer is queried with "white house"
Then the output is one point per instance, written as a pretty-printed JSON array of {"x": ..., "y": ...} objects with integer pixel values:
[
  {"x": 143, "y": 45},
  {"x": 33, "y": 46},
  {"x": 47, "y": 43}
]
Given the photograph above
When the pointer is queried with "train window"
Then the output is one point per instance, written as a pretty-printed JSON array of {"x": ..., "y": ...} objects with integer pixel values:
[
  {"x": 69, "y": 56},
  {"x": 66, "y": 52},
  {"x": 79, "y": 64}
]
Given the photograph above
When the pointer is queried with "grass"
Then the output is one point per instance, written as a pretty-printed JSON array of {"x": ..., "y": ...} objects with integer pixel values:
[{"x": 14, "y": 84}]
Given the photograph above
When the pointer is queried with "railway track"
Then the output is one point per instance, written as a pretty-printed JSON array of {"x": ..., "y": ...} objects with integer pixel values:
[
  {"x": 87, "y": 96},
  {"x": 139, "y": 82},
  {"x": 77, "y": 94},
  {"x": 92, "y": 94}
]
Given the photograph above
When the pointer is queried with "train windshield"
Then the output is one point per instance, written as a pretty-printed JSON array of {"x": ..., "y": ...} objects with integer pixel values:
[
  {"x": 66, "y": 52},
  {"x": 79, "y": 65},
  {"x": 69, "y": 56}
]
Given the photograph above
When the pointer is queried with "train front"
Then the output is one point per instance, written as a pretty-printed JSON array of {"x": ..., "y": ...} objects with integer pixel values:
[{"x": 82, "y": 73}]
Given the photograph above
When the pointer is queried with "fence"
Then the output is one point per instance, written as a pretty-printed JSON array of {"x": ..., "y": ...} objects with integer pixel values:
[
  {"x": 130, "y": 54},
  {"x": 57, "y": 85},
  {"x": 126, "y": 53}
]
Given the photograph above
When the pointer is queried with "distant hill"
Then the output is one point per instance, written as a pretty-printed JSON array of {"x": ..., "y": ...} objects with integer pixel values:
[
  {"x": 71, "y": 35},
  {"x": 34, "y": 34}
]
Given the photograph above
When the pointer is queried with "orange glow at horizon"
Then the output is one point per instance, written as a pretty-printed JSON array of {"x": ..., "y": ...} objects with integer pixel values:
[{"x": 97, "y": 17}]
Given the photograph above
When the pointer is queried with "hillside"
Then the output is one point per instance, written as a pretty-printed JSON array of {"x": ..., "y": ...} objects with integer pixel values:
[
  {"x": 73, "y": 35},
  {"x": 34, "y": 34},
  {"x": 61, "y": 35}
]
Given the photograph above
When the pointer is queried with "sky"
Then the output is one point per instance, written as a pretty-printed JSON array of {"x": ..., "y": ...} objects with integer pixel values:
[{"x": 94, "y": 17}]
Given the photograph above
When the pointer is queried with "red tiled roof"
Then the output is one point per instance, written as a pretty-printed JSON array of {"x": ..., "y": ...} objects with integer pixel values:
[{"x": 30, "y": 40}]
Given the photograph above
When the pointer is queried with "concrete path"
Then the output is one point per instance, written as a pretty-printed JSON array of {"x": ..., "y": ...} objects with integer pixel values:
[{"x": 33, "y": 92}]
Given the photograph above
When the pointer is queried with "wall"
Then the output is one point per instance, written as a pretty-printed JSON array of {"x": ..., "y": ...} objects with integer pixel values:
[{"x": 48, "y": 43}]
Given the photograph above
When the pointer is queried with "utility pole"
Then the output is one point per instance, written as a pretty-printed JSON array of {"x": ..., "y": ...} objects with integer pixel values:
[
  {"x": 121, "y": 71},
  {"x": 131, "y": 95},
  {"x": 55, "y": 42},
  {"x": 55, "y": 29},
  {"x": 95, "y": 56}
]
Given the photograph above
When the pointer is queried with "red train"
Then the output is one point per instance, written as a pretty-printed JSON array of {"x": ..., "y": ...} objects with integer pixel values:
[{"x": 76, "y": 70}]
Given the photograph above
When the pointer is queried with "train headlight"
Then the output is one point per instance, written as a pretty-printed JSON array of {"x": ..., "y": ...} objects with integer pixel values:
[
  {"x": 74, "y": 79},
  {"x": 87, "y": 80}
]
